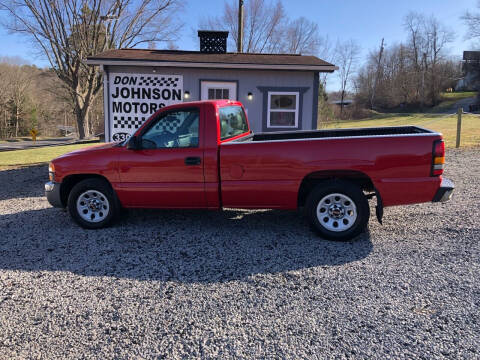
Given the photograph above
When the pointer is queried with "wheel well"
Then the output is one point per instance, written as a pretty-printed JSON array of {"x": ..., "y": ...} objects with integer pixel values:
[
  {"x": 312, "y": 180},
  {"x": 70, "y": 181}
]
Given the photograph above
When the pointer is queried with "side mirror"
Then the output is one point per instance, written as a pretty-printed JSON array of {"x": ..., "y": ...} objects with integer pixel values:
[{"x": 132, "y": 143}]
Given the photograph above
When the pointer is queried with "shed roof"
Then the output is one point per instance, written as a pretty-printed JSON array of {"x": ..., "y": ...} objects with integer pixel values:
[{"x": 196, "y": 59}]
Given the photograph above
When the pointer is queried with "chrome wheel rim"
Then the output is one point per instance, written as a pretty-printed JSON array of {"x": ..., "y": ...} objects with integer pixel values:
[
  {"x": 93, "y": 206},
  {"x": 336, "y": 212}
]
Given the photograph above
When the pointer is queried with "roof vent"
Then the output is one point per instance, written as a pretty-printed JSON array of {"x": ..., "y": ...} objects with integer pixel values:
[{"x": 213, "y": 42}]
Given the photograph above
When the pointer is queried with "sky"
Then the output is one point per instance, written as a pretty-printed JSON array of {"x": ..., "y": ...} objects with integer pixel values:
[{"x": 365, "y": 21}]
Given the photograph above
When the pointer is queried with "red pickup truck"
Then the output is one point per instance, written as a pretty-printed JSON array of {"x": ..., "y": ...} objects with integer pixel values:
[{"x": 203, "y": 155}]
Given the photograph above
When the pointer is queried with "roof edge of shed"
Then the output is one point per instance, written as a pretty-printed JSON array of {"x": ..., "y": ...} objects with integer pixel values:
[{"x": 212, "y": 65}]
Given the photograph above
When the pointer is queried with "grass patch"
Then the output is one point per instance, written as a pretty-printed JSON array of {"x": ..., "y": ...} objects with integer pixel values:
[
  {"x": 36, "y": 156},
  {"x": 25, "y": 138},
  {"x": 445, "y": 125},
  {"x": 449, "y": 99},
  {"x": 459, "y": 95},
  {"x": 446, "y": 104}
]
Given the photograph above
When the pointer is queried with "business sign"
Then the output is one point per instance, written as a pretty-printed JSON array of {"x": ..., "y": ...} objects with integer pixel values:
[{"x": 134, "y": 97}]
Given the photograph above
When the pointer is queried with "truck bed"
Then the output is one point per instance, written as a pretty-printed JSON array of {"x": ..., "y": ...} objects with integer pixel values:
[
  {"x": 270, "y": 167},
  {"x": 337, "y": 133}
]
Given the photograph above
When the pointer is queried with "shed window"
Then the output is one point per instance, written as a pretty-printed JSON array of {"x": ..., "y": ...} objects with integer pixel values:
[
  {"x": 282, "y": 110},
  {"x": 216, "y": 94}
]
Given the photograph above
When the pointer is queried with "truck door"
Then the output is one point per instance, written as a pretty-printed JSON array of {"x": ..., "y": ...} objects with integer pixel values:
[{"x": 167, "y": 170}]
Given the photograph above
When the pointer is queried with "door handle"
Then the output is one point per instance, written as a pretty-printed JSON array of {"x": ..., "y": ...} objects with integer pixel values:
[{"x": 193, "y": 160}]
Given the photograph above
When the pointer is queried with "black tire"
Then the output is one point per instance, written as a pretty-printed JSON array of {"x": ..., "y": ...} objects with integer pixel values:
[
  {"x": 99, "y": 217},
  {"x": 325, "y": 192}
]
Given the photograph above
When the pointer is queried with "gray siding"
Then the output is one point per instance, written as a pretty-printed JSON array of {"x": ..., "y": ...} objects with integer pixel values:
[{"x": 248, "y": 81}]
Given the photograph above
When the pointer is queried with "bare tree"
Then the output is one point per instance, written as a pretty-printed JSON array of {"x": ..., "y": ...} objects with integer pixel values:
[
  {"x": 302, "y": 37},
  {"x": 403, "y": 82},
  {"x": 31, "y": 97},
  {"x": 4, "y": 97},
  {"x": 438, "y": 37},
  {"x": 267, "y": 28},
  {"x": 19, "y": 81},
  {"x": 472, "y": 20},
  {"x": 427, "y": 40},
  {"x": 347, "y": 56},
  {"x": 67, "y": 31},
  {"x": 414, "y": 24},
  {"x": 263, "y": 22},
  {"x": 14, "y": 88},
  {"x": 412, "y": 73},
  {"x": 377, "y": 74},
  {"x": 326, "y": 52}
]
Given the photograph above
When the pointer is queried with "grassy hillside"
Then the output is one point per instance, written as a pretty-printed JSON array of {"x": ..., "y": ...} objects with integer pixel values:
[
  {"x": 446, "y": 125},
  {"x": 437, "y": 118},
  {"x": 36, "y": 156}
]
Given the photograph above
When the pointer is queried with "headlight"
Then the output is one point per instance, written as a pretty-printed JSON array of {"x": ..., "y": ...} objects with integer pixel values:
[{"x": 51, "y": 172}]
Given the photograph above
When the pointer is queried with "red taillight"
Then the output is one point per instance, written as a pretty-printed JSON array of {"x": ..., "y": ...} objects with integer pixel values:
[{"x": 438, "y": 163}]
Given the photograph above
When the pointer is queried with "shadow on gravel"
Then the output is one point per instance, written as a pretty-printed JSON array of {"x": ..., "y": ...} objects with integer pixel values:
[
  {"x": 23, "y": 182},
  {"x": 183, "y": 246}
]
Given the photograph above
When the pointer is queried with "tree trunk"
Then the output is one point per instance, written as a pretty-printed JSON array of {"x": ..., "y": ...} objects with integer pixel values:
[
  {"x": 86, "y": 122},
  {"x": 377, "y": 73},
  {"x": 82, "y": 110},
  {"x": 341, "y": 104},
  {"x": 6, "y": 123},
  {"x": 80, "y": 117},
  {"x": 434, "y": 86},
  {"x": 16, "y": 121}
]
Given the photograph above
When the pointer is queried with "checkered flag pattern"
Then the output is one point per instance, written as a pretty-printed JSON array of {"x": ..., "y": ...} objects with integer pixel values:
[
  {"x": 158, "y": 81},
  {"x": 127, "y": 122},
  {"x": 170, "y": 124}
]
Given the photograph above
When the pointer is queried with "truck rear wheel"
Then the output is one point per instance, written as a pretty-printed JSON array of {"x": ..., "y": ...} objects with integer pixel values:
[
  {"x": 338, "y": 210},
  {"x": 92, "y": 204}
]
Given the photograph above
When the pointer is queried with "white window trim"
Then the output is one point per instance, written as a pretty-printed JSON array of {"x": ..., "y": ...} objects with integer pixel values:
[
  {"x": 296, "y": 110},
  {"x": 230, "y": 85}
]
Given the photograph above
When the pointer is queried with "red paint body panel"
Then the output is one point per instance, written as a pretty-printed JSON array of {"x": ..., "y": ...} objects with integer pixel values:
[
  {"x": 254, "y": 174},
  {"x": 399, "y": 167},
  {"x": 98, "y": 160},
  {"x": 159, "y": 178}
]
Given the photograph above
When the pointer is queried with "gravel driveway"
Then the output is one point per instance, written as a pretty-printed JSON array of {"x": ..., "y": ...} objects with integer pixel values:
[{"x": 239, "y": 284}]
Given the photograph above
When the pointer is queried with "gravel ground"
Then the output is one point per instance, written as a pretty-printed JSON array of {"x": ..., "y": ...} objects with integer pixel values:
[{"x": 239, "y": 284}]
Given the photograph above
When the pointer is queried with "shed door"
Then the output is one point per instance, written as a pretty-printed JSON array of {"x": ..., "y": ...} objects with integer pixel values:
[{"x": 217, "y": 90}]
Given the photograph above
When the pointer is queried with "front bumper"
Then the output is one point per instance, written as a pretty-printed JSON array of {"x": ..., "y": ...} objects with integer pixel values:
[
  {"x": 445, "y": 192},
  {"x": 52, "y": 192}
]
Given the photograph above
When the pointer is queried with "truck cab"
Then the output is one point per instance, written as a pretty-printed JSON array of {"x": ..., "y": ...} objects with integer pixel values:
[{"x": 172, "y": 162}]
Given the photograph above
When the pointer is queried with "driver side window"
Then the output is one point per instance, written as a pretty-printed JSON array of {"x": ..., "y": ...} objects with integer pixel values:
[{"x": 175, "y": 129}]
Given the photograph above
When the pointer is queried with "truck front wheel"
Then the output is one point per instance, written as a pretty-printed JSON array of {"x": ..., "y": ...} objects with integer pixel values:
[
  {"x": 338, "y": 210},
  {"x": 92, "y": 204}
]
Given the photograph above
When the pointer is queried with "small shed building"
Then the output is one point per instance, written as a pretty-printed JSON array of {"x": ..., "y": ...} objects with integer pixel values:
[
  {"x": 471, "y": 72},
  {"x": 279, "y": 91}
]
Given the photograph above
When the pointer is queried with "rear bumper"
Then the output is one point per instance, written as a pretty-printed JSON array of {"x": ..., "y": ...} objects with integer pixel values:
[
  {"x": 445, "y": 191},
  {"x": 52, "y": 192}
]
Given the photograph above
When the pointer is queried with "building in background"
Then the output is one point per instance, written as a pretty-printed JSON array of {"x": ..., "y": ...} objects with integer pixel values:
[
  {"x": 471, "y": 72},
  {"x": 279, "y": 91}
]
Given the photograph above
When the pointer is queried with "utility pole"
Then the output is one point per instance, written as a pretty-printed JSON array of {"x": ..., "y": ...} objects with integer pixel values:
[{"x": 240, "y": 27}]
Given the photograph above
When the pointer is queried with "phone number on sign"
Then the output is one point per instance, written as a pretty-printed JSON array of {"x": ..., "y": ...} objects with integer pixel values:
[{"x": 119, "y": 137}]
